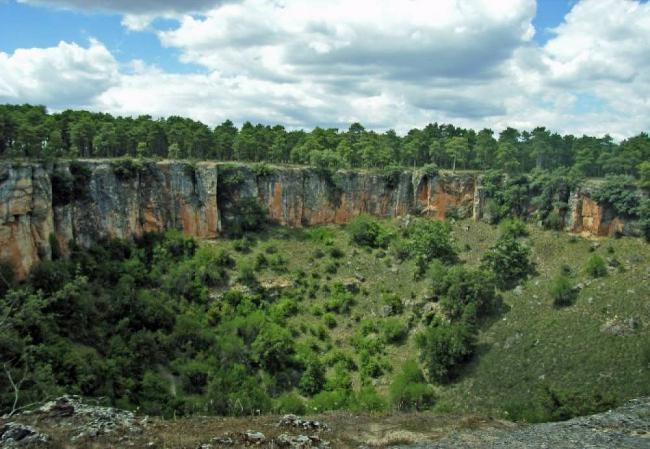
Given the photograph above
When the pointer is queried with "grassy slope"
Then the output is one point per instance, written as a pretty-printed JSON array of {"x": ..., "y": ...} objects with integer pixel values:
[{"x": 532, "y": 343}]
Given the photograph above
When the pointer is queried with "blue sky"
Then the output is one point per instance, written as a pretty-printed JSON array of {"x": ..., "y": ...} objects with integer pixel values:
[
  {"x": 389, "y": 64},
  {"x": 27, "y": 26}
]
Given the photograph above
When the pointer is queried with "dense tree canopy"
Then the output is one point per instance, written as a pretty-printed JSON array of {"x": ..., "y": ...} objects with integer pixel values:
[{"x": 30, "y": 131}]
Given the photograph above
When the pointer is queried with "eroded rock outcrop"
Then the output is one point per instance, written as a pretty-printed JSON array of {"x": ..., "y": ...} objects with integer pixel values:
[{"x": 46, "y": 206}]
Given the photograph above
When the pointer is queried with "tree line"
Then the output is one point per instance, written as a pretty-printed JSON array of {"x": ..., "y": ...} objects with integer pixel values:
[{"x": 28, "y": 131}]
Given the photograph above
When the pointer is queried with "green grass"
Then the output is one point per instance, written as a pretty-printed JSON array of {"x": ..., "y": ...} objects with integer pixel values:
[{"x": 532, "y": 345}]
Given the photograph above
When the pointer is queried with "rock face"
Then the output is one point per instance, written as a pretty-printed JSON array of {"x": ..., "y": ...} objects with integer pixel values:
[
  {"x": 46, "y": 206},
  {"x": 589, "y": 217}
]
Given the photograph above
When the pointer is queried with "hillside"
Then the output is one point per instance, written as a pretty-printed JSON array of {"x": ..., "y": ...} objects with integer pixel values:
[{"x": 308, "y": 310}]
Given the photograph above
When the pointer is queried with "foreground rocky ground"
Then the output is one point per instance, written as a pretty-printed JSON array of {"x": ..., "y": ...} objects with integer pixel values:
[
  {"x": 69, "y": 423},
  {"x": 625, "y": 427}
]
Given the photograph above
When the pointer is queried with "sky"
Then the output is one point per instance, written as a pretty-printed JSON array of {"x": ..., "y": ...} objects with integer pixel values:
[{"x": 574, "y": 66}]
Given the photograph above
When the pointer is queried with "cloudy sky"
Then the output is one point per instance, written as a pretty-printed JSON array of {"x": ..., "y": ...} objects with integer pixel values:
[{"x": 578, "y": 66}]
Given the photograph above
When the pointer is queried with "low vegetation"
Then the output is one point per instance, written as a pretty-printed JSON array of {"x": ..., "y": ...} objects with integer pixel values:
[{"x": 370, "y": 317}]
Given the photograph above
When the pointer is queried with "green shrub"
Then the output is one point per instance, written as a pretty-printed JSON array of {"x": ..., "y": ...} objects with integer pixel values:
[
  {"x": 554, "y": 221},
  {"x": 194, "y": 376},
  {"x": 392, "y": 304},
  {"x": 330, "y": 320},
  {"x": 289, "y": 402},
  {"x": 563, "y": 292},
  {"x": 367, "y": 399},
  {"x": 247, "y": 274},
  {"x": 644, "y": 218},
  {"x": 619, "y": 193},
  {"x": 429, "y": 240},
  {"x": 329, "y": 400},
  {"x": 331, "y": 267},
  {"x": 340, "y": 302},
  {"x": 366, "y": 231},
  {"x": 509, "y": 261},
  {"x": 548, "y": 403},
  {"x": 244, "y": 215},
  {"x": 262, "y": 169},
  {"x": 273, "y": 348},
  {"x": 126, "y": 168},
  {"x": 320, "y": 234},
  {"x": 278, "y": 263},
  {"x": 336, "y": 253},
  {"x": 444, "y": 347},
  {"x": 459, "y": 288},
  {"x": 513, "y": 227},
  {"x": 596, "y": 266},
  {"x": 340, "y": 356},
  {"x": 394, "y": 330},
  {"x": 409, "y": 390},
  {"x": 371, "y": 366},
  {"x": 313, "y": 377},
  {"x": 400, "y": 249}
]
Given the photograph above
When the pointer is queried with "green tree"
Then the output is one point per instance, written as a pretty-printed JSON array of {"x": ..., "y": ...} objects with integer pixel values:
[
  {"x": 509, "y": 261},
  {"x": 444, "y": 347},
  {"x": 409, "y": 389},
  {"x": 457, "y": 148}
]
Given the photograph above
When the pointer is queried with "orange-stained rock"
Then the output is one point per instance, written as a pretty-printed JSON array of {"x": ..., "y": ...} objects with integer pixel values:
[
  {"x": 591, "y": 218},
  {"x": 155, "y": 197}
]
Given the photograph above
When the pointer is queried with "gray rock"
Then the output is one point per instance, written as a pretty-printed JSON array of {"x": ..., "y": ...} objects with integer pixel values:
[
  {"x": 254, "y": 437},
  {"x": 296, "y": 422},
  {"x": 626, "y": 427},
  {"x": 14, "y": 434}
]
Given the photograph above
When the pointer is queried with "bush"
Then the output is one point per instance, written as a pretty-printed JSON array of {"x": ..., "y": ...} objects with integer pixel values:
[
  {"x": 430, "y": 240},
  {"x": 394, "y": 330},
  {"x": 340, "y": 379},
  {"x": 366, "y": 231},
  {"x": 247, "y": 275},
  {"x": 371, "y": 367},
  {"x": 330, "y": 320},
  {"x": 620, "y": 193},
  {"x": 262, "y": 169},
  {"x": 289, "y": 403},
  {"x": 393, "y": 304},
  {"x": 459, "y": 288},
  {"x": 367, "y": 400},
  {"x": 126, "y": 168},
  {"x": 246, "y": 215},
  {"x": 336, "y": 253},
  {"x": 596, "y": 266},
  {"x": 548, "y": 403},
  {"x": 444, "y": 347},
  {"x": 562, "y": 291},
  {"x": 313, "y": 378},
  {"x": 513, "y": 227},
  {"x": 409, "y": 390},
  {"x": 554, "y": 221},
  {"x": 273, "y": 348},
  {"x": 341, "y": 301},
  {"x": 329, "y": 400},
  {"x": 509, "y": 260},
  {"x": 400, "y": 250}
]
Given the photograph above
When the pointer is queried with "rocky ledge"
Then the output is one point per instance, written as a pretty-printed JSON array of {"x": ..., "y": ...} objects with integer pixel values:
[
  {"x": 44, "y": 207},
  {"x": 622, "y": 428}
]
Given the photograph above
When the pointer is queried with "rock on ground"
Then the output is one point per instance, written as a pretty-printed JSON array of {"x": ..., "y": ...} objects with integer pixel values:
[
  {"x": 15, "y": 434},
  {"x": 626, "y": 427}
]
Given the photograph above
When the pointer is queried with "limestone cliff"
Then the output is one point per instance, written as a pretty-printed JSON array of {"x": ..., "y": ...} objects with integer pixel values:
[{"x": 43, "y": 204}]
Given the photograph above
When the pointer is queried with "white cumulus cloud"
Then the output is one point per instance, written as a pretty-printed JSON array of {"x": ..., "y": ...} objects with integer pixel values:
[
  {"x": 387, "y": 64},
  {"x": 63, "y": 76}
]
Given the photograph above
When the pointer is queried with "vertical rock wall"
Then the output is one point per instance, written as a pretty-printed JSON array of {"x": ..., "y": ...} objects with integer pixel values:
[{"x": 83, "y": 201}]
